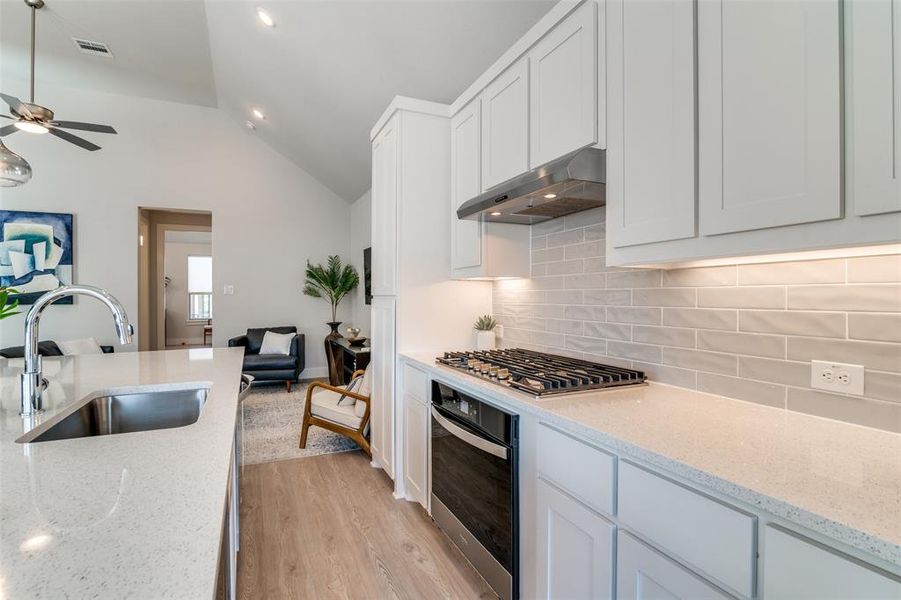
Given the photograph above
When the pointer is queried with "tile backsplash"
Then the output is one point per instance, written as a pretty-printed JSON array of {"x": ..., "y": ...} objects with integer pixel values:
[{"x": 744, "y": 331}]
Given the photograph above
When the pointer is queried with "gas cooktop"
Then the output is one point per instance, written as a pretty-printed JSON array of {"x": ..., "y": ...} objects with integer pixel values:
[{"x": 540, "y": 374}]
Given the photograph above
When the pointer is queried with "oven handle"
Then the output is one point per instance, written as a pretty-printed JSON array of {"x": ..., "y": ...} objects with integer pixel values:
[{"x": 471, "y": 439}]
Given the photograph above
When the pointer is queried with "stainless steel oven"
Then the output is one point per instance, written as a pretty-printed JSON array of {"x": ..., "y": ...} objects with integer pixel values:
[{"x": 475, "y": 497}]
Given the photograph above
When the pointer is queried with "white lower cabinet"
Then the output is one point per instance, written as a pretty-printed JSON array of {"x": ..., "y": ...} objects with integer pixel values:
[
  {"x": 575, "y": 548},
  {"x": 642, "y": 573},
  {"x": 416, "y": 449},
  {"x": 799, "y": 569}
]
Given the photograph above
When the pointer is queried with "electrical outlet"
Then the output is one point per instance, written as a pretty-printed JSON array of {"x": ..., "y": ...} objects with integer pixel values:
[
  {"x": 228, "y": 290},
  {"x": 837, "y": 377}
]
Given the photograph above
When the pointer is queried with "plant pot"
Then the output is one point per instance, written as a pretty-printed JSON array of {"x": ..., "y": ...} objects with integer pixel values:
[
  {"x": 485, "y": 340},
  {"x": 334, "y": 334}
]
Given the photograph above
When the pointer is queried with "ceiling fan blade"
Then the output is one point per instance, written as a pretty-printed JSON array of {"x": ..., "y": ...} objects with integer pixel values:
[
  {"x": 84, "y": 126},
  {"x": 17, "y": 105},
  {"x": 73, "y": 139},
  {"x": 8, "y": 130}
]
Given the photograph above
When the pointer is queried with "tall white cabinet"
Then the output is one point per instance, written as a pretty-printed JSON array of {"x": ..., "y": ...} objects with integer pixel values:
[{"x": 415, "y": 306}]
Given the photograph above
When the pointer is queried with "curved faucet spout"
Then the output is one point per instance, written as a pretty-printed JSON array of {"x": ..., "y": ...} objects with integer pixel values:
[{"x": 32, "y": 381}]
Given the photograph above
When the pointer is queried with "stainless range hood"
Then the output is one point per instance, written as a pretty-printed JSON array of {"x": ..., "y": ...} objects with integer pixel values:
[{"x": 567, "y": 185}]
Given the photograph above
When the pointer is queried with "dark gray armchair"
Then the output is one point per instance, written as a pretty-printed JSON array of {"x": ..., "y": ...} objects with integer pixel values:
[{"x": 271, "y": 367}]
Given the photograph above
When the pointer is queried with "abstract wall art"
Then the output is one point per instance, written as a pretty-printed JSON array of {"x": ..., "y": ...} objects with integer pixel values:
[{"x": 35, "y": 253}]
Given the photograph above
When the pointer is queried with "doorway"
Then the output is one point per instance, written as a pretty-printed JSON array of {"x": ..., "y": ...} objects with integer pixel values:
[{"x": 175, "y": 294}]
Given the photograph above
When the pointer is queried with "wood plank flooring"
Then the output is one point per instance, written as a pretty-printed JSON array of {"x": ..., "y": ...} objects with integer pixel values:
[{"x": 329, "y": 527}]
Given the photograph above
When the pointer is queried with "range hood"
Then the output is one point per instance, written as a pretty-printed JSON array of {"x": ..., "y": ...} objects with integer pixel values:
[{"x": 565, "y": 186}]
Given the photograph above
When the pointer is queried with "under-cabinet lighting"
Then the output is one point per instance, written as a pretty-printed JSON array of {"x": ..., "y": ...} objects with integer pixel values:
[
  {"x": 495, "y": 214},
  {"x": 550, "y": 196},
  {"x": 854, "y": 252}
]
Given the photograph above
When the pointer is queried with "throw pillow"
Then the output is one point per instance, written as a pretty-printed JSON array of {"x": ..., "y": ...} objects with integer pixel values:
[
  {"x": 82, "y": 346},
  {"x": 353, "y": 386},
  {"x": 276, "y": 343}
]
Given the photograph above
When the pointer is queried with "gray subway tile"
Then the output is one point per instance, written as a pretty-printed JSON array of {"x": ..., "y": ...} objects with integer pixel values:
[
  {"x": 664, "y": 336},
  {"x": 701, "y": 318},
  {"x": 664, "y": 297},
  {"x": 585, "y": 281},
  {"x": 808, "y": 271},
  {"x": 776, "y": 371},
  {"x": 546, "y": 227},
  {"x": 586, "y": 313},
  {"x": 585, "y": 218},
  {"x": 769, "y": 394},
  {"x": 634, "y": 278},
  {"x": 565, "y": 326},
  {"x": 700, "y": 360},
  {"x": 873, "y": 269},
  {"x": 564, "y": 297},
  {"x": 883, "y": 386},
  {"x": 608, "y": 297},
  {"x": 685, "y": 378},
  {"x": 547, "y": 255},
  {"x": 642, "y": 352},
  {"x": 820, "y": 324},
  {"x": 585, "y": 250},
  {"x": 873, "y": 355},
  {"x": 564, "y": 267},
  {"x": 742, "y": 297},
  {"x": 595, "y": 232},
  {"x": 699, "y": 277},
  {"x": 629, "y": 314},
  {"x": 613, "y": 331},
  {"x": 586, "y": 344},
  {"x": 852, "y": 409},
  {"x": 867, "y": 298},
  {"x": 565, "y": 238},
  {"x": 885, "y": 327},
  {"x": 546, "y": 338},
  {"x": 753, "y": 344}
]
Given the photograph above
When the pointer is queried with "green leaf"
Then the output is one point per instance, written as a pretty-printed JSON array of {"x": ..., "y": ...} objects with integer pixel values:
[{"x": 332, "y": 282}]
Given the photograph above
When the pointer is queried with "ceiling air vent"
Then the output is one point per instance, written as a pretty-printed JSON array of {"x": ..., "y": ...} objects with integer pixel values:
[{"x": 93, "y": 48}]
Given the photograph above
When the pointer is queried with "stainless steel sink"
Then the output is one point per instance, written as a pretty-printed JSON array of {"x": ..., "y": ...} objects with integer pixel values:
[{"x": 126, "y": 413}]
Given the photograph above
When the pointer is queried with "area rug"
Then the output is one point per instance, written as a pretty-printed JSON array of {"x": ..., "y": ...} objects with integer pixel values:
[{"x": 272, "y": 419}]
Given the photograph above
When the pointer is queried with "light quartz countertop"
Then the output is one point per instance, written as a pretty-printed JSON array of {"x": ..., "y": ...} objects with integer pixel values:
[
  {"x": 840, "y": 480},
  {"x": 133, "y": 515}
]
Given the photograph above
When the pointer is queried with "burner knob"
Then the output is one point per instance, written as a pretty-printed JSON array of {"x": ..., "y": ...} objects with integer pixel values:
[
  {"x": 485, "y": 368},
  {"x": 492, "y": 371},
  {"x": 472, "y": 363},
  {"x": 503, "y": 374}
]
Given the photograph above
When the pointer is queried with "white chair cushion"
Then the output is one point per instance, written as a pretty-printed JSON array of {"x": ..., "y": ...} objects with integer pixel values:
[
  {"x": 276, "y": 343},
  {"x": 83, "y": 346},
  {"x": 366, "y": 384},
  {"x": 325, "y": 405}
]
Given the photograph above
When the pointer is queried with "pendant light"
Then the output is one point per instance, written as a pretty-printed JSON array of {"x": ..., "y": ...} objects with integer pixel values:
[{"x": 14, "y": 170}]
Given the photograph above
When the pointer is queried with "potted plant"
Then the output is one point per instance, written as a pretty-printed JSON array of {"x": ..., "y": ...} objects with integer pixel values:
[
  {"x": 331, "y": 282},
  {"x": 7, "y": 307},
  {"x": 485, "y": 336}
]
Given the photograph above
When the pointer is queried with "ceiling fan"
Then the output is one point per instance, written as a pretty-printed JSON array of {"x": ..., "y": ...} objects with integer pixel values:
[{"x": 34, "y": 118}]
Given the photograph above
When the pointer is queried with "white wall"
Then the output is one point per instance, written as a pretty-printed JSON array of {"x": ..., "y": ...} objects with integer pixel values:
[
  {"x": 360, "y": 238},
  {"x": 178, "y": 330},
  {"x": 269, "y": 216}
]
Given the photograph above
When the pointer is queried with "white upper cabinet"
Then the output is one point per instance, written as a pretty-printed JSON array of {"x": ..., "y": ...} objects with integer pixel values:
[
  {"x": 769, "y": 105},
  {"x": 384, "y": 210},
  {"x": 505, "y": 126},
  {"x": 383, "y": 367},
  {"x": 651, "y": 191},
  {"x": 795, "y": 569},
  {"x": 873, "y": 78},
  {"x": 563, "y": 86},
  {"x": 466, "y": 236}
]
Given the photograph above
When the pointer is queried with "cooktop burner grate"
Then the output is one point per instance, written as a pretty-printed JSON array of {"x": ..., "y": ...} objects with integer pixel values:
[{"x": 540, "y": 374}]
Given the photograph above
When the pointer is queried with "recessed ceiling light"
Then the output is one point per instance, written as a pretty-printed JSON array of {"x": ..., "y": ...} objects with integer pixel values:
[
  {"x": 550, "y": 196},
  {"x": 495, "y": 214},
  {"x": 30, "y": 127},
  {"x": 259, "y": 114},
  {"x": 266, "y": 18}
]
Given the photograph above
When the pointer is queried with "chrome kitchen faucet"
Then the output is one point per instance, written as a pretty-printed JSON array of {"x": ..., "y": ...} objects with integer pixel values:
[{"x": 32, "y": 382}]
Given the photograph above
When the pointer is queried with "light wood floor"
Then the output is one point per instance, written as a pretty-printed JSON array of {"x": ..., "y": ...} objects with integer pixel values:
[{"x": 329, "y": 527}]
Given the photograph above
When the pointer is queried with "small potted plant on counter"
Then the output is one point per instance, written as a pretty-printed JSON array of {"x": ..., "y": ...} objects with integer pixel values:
[{"x": 485, "y": 336}]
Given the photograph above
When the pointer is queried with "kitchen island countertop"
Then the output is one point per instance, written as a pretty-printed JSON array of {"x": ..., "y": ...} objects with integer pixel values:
[{"x": 136, "y": 515}]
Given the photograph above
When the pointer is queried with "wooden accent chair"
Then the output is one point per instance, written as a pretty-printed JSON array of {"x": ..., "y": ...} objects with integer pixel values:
[{"x": 343, "y": 409}]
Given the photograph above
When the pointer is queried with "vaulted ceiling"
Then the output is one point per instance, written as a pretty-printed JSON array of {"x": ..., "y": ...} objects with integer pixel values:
[{"x": 321, "y": 76}]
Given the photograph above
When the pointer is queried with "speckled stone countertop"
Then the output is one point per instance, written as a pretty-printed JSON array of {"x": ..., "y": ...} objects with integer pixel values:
[
  {"x": 134, "y": 515},
  {"x": 840, "y": 480}
]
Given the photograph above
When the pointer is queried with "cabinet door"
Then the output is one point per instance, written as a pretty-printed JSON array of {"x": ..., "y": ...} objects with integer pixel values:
[
  {"x": 651, "y": 193},
  {"x": 769, "y": 129},
  {"x": 575, "y": 548},
  {"x": 466, "y": 236},
  {"x": 563, "y": 85},
  {"x": 384, "y": 210},
  {"x": 416, "y": 423},
  {"x": 505, "y": 126},
  {"x": 644, "y": 574},
  {"x": 383, "y": 360},
  {"x": 873, "y": 79},
  {"x": 798, "y": 569}
]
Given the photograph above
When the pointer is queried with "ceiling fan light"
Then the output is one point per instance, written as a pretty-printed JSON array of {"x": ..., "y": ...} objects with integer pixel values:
[
  {"x": 265, "y": 18},
  {"x": 258, "y": 114},
  {"x": 14, "y": 170},
  {"x": 30, "y": 127}
]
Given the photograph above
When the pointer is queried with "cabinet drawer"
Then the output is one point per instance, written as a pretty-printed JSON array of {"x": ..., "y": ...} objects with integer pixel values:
[
  {"x": 802, "y": 569},
  {"x": 583, "y": 471},
  {"x": 716, "y": 539},
  {"x": 416, "y": 383}
]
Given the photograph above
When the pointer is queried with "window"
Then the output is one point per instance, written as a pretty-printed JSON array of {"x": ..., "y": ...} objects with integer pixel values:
[{"x": 200, "y": 288}]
